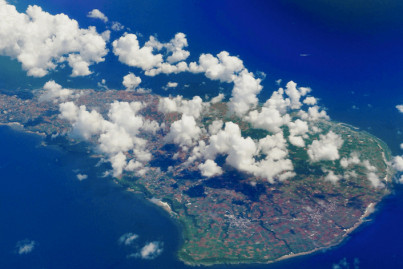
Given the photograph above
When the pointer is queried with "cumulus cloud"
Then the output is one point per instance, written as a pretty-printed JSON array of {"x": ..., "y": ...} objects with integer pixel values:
[
  {"x": 127, "y": 239},
  {"x": 298, "y": 129},
  {"x": 128, "y": 50},
  {"x": 278, "y": 101},
  {"x": 151, "y": 250},
  {"x": 184, "y": 132},
  {"x": 274, "y": 113},
  {"x": 193, "y": 107},
  {"x": 326, "y": 148},
  {"x": 397, "y": 163},
  {"x": 246, "y": 88},
  {"x": 268, "y": 119},
  {"x": 295, "y": 94},
  {"x": 117, "y": 26},
  {"x": 354, "y": 159},
  {"x": 215, "y": 127},
  {"x": 210, "y": 168},
  {"x": 167, "y": 68},
  {"x": 171, "y": 85},
  {"x": 400, "y": 108},
  {"x": 82, "y": 177},
  {"x": 54, "y": 92},
  {"x": 116, "y": 136},
  {"x": 174, "y": 47},
  {"x": 41, "y": 41},
  {"x": 242, "y": 152},
  {"x": 224, "y": 67},
  {"x": 332, "y": 177},
  {"x": 25, "y": 246},
  {"x": 85, "y": 124},
  {"x": 310, "y": 101},
  {"x": 375, "y": 181},
  {"x": 217, "y": 98},
  {"x": 344, "y": 264},
  {"x": 314, "y": 114},
  {"x": 297, "y": 141},
  {"x": 97, "y": 14},
  {"x": 131, "y": 81},
  {"x": 227, "y": 68}
]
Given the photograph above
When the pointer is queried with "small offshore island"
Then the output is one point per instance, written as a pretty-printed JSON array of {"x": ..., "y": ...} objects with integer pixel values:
[{"x": 232, "y": 216}]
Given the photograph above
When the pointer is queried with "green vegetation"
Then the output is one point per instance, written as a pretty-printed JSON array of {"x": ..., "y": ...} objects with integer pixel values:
[{"x": 236, "y": 217}]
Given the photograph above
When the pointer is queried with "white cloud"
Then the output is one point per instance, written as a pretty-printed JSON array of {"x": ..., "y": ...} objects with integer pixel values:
[
  {"x": 174, "y": 47},
  {"x": 128, "y": 49},
  {"x": 115, "y": 137},
  {"x": 117, "y": 26},
  {"x": 223, "y": 67},
  {"x": 25, "y": 246},
  {"x": 54, "y": 92},
  {"x": 344, "y": 264},
  {"x": 193, "y": 107},
  {"x": 295, "y": 94},
  {"x": 226, "y": 68},
  {"x": 241, "y": 153},
  {"x": 218, "y": 98},
  {"x": 85, "y": 124},
  {"x": 215, "y": 127},
  {"x": 131, "y": 81},
  {"x": 326, "y": 148},
  {"x": 172, "y": 84},
  {"x": 297, "y": 141},
  {"x": 298, "y": 127},
  {"x": 310, "y": 101},
  {"x": 41, "y": 41},
  {"x": 375, "y": 181},
  {"x": 332, "y": 177},
  {"x": 167, "y": 68},
  {"x": 82, "y": 177},
  {"x": 210, "y": 168},
  {"x": 151, "y": 250},
  {"x": 184, "y": 132},
  {"x": 127, "y": 239},
  {"x": 268, "y": 119},
  {"x": 278, "y": 102},
  {"x": 273, "y": 114},
  {"x": 97, "y": 14},
  {"x": 400, "y": 108},
  {"x": 314, "y": 114},
  {"x": 354, "y": 159},
  {"x": 397, "y": 163},
  {"x": 246, "y": 88}
]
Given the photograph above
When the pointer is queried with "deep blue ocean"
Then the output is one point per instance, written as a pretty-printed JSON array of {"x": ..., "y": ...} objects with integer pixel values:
[{"x": 351, "y": 57}]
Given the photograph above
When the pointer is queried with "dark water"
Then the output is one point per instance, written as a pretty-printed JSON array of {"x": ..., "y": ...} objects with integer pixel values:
[
  {"x": 352, "y": 57},
  {"x": 76, "y": 224}
]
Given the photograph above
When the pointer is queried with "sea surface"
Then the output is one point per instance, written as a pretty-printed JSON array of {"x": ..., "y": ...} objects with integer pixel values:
[{"x": 350, "y": 54}]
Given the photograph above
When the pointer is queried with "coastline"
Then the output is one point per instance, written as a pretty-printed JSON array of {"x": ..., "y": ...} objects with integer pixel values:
[
  {"x": 368, "y": 211},
  {"x": 166, "y": 207},
  {"x": 20, "y": 127}
]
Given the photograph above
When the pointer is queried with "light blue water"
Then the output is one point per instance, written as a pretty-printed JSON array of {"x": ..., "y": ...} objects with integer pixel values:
[{"x": 355, "y": 58}]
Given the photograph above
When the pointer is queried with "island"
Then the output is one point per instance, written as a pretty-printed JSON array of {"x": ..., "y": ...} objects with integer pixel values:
[{"x": 232, "y": 217}]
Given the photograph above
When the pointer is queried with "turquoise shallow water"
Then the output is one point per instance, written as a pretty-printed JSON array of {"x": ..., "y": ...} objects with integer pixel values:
[{"x": 354, "y": 59}]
